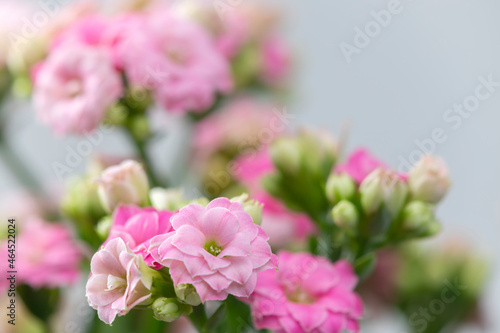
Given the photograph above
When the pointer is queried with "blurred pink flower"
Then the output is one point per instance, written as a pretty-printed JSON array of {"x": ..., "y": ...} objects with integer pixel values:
[
  {"x": 137, "y": 226},
  {"x": 218, "y": 249},
  {"x": 119, "y": 281},
  {"x": 359, "y": 165},
  {"x": 179, "y": 61},
  {"x": 74, "y": 87},
  {"x": 47, "y": 254},
  {"x": 307, "y": 294},
  {"x": 281, "y": 224},
  {"x": 276, "y": 60}
]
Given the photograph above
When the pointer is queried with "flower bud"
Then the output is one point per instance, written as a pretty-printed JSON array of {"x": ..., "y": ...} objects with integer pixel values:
[
  {"x": 81, "y": 202},
  {"x": 418, "y": 217},
  {"x": 345, "y": 215},
  {"x": 340, "y": 187},
  {"x": 187, "y": 294},
  {"x": 383, "y": 186},
  {"x": 286, "y": 155},
  {"x": 126, "y": 183},
  {"x": 252, "y": 207},
  {"x": 429, "y": 179},
  {"x": 103, "y": 226},
  {"x": 169, "y": 309},
  {"x": 167, "y": 199}
]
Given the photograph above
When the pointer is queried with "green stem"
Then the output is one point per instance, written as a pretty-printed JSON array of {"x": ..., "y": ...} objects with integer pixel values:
[{"x": 199, "y": 318}]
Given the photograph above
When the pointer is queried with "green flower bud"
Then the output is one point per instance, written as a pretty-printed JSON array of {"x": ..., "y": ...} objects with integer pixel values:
[
  {"x": 418, "y": 217},
  {"x": 252, "y": 207},
  {"x": 340, "y": 187},
  {"x": 103, "y": 227},
  {"x": 345, "y": 215},
  {"x": 81, "y": 202},
  {"x": 187, "y": 293},
  {"x": 169, "y": 309},
  {"x": 286, "y": 155}
]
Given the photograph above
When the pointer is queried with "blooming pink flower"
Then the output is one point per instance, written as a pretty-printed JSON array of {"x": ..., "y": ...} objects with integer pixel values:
[
  {"x": 137, "y": 226},
  {"x": 74, "y": 88},
  {"x": 218, "y": 249},
  {"x": 47, "y": 254},
  {"x": 280, "y": 224},
  {"x": 119, "y": 281},
  {"x": 359, "y": 165},
  {"x": 307, "y": 294},
  {"x": 178, "y": 60}
]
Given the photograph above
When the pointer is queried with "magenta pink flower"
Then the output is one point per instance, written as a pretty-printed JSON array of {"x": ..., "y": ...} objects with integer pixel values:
[
  {"x": 307, "y": 294},
  {"x": 119, "y": 281},
  {"x": 47, "y": 254},
  {"x": 178, "y": 60},
  {"x": 74, "y": 87},
  {"x": 359, "y": 165},
  {"x": 218, "y": 249},
  {"x": 137, "y": 226}
]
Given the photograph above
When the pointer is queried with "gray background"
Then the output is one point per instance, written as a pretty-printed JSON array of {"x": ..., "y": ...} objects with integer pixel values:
[{"x": 393, "y": 93}]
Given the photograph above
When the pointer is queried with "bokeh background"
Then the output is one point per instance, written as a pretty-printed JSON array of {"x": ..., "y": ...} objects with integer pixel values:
[{"x": 394, "y": 92}]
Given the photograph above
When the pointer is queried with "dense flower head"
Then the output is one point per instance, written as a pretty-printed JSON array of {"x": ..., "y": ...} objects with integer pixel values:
[
  {"x": 218, "y": 249},
  {"x": 307, "y": 294},
  {"x": 48, "y": 255},
  {"x": 137, "y": 226},
  {"x": 119, "y": 281},
  {"x": 74, "y": 87}
]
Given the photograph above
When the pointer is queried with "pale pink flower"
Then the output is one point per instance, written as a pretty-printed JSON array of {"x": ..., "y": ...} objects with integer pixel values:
[
  {"x": 47, "y": 254},
  {"x": 429, "y": 179},
  {"x": 178, "y": 61},
  {"x": 218, "y": 249},
  {"x": 307, "y": 294},
  {"x": 74, "y": 87},
  {"x": 276, "y": 60},
  {"x": 359, "y": 165},
  {"x": 119, "y": 281},
  {"x": 281, "y": 224},
  {"x": 137, "y": 226}
]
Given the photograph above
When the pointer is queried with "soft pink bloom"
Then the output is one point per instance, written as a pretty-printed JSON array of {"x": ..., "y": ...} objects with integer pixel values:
[
  {"x": 307, "y": 294},
  {"x": 359, "y": 165},
  {"x": 88, "y": 30},
  {"x": 218, "y": 249},
  {"x": 178, "y": 60},
  {"x": 74, "y": 88},
  {"x": 119, "y": 281},
  {"x": 11, "y": 14},
  {"x": 241, "y": 124},
  {"x": 281, "y": 224},
  {"x": 47, "y": 254},
  {"x": 276, "y": 60},
  {"x": 137, "y": 226}
]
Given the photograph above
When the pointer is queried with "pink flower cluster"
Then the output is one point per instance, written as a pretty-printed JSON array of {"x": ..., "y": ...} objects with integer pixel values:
[
  {"x": 307, "y": 294},
  {"x": 96, "y": 60}
]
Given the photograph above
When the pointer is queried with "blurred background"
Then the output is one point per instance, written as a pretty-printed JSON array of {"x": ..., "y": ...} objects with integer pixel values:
[{"x": 388, "y": 92}]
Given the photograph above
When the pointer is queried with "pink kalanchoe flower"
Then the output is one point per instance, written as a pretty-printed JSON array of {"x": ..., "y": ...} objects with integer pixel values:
[
  {"x": 280, "y": 224},
  {"x": 74, "y": 87},
  {"x": 179, "y": 63},
  {"x": 359, "y": 165},
  {"x": 276, "y": 60},
  {"x": 137, "y": 226},
  {"x": 48, "y": 254},
  {"x": 218, "y": 249},
  {"x": 119, "y": 281},
  {"x": 307, "y": 294}
]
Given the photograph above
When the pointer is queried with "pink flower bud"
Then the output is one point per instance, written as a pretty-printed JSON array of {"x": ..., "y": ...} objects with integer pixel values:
[{"x": 429, "y": 180}]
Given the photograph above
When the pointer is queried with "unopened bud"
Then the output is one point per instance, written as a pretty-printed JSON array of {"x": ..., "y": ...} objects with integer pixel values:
[
  {"x": 167, "y": 199},
  {"x": 187, "y": 293},
  {"x": 429, "y": 180},
  {"x": 169, "y": 309},
  {"x": 126, "y": 183},
  {"x": 286, "y": 155},
  {"x": 345, "y": 215},
  {"x": 252, "y": 207},
  {"x": 340, "y": 187},
  {"x": 418, "y": 217}
]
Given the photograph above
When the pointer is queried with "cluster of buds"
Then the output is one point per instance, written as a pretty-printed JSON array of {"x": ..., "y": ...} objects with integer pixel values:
[{"x": 387, "y": 204}]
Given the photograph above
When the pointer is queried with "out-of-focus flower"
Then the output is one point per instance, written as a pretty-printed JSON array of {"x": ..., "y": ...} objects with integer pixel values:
[
  {"x": 48, "y": 254},
  {"x": 345, "y": 215},
  {"x": 429, "y": 180},
  {"x": 340, "y": 187},
  {"x": 359, "y": 165},
  {"x": 137, "y": 226},
  {"x": 126, "y": 183},
  {"x": 419, "y": 219},
  {"x": 11, "y": 13},
  {"x": 276, "y": 60},
  {"x": 180, "y": 64},
  {"x": 120, "y": 281},
  {"x": 307, "y": 294},
  {"x": 218, "y": 249},
  {"x": 169, "y": 199},
  {"x": 74, "y": 88},
  {"x": 383, "y": 186}
]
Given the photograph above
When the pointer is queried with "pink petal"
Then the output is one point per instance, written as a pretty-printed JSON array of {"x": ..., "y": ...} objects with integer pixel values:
[
  {"x": 243, "y": 290},
  {"x": 261, "y": 252},
  {"x": 180, "y": 274},
  {"x": 217, "y": 281},
  {"x": 239, "y": 246},
  {"x": 308, "y": 316},
  {"x": 239, "y": 270},
  {"x": 96, "y": 291},
  {"x": 220, "y": 225},
  {"x": 190, "y": 215},
  {"x": 335, "y": 323},
  {"x": 104, "y": 262},
  {"x": 189, "y": 240}
]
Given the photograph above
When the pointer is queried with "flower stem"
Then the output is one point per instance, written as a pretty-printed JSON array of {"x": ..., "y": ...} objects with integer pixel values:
[{"x": 199, "y": 318}]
